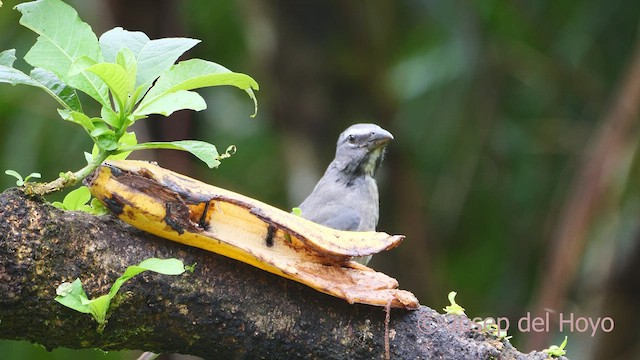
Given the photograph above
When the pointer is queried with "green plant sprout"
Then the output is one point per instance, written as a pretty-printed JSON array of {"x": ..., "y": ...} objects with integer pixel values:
[
  {"x": 191, "y": 268},
  {"x": 72, "y": 295},
  {"x": 556, "y": 351},
  {"x": 494, "y": 329},
  {"x": 127, "y": 73},
  {"x": 80, "y": 200},
  {"x": 21, "y": 181},
  {"x": 454, "y": 308}
]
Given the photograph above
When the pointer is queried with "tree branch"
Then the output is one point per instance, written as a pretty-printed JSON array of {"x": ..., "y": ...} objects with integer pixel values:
[{"x": 225, "y": 309}]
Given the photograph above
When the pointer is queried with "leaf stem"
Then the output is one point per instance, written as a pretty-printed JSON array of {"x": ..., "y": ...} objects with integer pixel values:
[{"x": 66, "y": 179}]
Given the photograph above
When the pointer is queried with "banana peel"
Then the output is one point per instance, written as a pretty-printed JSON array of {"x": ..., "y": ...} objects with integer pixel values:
[{"x": 182, "y": 209}]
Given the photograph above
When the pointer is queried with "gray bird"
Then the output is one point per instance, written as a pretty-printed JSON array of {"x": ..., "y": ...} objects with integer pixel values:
[{"x": 346, "y": 197}]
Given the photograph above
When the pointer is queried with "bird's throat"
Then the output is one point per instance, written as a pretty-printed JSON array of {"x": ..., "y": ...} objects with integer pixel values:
[{"x": 372, "y": 162}]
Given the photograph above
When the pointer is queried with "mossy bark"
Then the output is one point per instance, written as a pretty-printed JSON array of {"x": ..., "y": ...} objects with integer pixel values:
[{"x": 225, "y": 309}]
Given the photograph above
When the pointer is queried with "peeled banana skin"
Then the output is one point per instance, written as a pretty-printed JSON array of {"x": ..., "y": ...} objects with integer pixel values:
[{"x": 182, "y": 209}]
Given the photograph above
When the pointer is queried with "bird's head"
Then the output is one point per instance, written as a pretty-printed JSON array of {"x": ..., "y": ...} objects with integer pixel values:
[{"x": 360, "y": 149}]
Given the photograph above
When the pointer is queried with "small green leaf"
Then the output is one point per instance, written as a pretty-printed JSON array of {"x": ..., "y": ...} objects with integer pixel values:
[
  {"x": 110, "y": 117},
  {"x": 77, "y": 198},
  {"x": 161, "y": 266},
  {"x": 88, "y": 157},
  {"x": 78, "y": 118},
  {"x": 556, "y": 351},
  {"x": 15, "y": 174},
  {"x": 107, "y": 141},
  {"x": 97, "y": 208},
  {"x": 454, "y": 308},
  {"x": 100, "y": 128},
  {"x": 116, "y": 79},
  {"x": 127, "y": 60},
  {"x": 128, "y": 139},
  {"x": 34, "y": 175},
  {"x": 202, "y": 150},
  {"x": 20, "y": 181},
  {"x": 64, "y": 289},
  {"x": 72, "y": 295},
  {"x": 191, "y": 268}
]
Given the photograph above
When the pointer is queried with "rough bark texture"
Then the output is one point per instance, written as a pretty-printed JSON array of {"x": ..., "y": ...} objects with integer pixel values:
[{"x": 224, "y": 310}]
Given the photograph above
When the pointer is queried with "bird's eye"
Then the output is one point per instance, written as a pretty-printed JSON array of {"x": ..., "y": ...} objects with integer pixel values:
[{"x": 352, "y": 138}]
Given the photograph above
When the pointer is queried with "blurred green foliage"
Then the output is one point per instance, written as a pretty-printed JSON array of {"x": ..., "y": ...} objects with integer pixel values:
[{"x": 492, "y": 105}]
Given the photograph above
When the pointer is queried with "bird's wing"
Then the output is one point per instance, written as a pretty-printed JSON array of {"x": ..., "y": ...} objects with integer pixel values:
[{"x": 336, "y": 217}]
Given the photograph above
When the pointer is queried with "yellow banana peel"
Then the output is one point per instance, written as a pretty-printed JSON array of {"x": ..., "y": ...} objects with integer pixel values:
[{"x": 182, "y": 209}]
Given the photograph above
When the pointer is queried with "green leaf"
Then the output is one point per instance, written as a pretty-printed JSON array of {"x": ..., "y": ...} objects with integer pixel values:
[
  {"x": 161, "y": 266},
  {"x": 100, "y": 128},
  {"x": 20, "y": 181},
  {"x": 127, "y": 60},
  {"x": 81, "y": 64},
  {"x": 63, "y": 94},
  {"x": 454, "y": 308},
  {"x": 98, "y": 307},
  {"x": 158, "y": 56},
  {"x": 16, "y": 175},
  {"x": 107, "y": 141},
  {"x": 88, "y": 157},
  {"x": 194, "y": 74},
  {"x": 153, "y": 57},
  {"x": 116, "y": 39},
  {"x": 34, "y": 175},
  {"x": 128, "y": 139},
  {"x": 202, "y": 150},
  {"x": 62, "y": 39},
  {"x": 7, "y": 57},
  {"x": 76, "y": 199},
  {"x": 97, "y": 208},
  {"x": 116, "y": 79},
  {"x": 62, "y": 91},
  {"x": 169, "y": 103},
  {"x": 120, "y": 77},
  {"x": 191, "y": 268},
  {"x": 72, "y": 295},
  {"x": 555, "y": 350},
  {"x": 110, "y": 117},
  {"x": 79, "y": 118}
]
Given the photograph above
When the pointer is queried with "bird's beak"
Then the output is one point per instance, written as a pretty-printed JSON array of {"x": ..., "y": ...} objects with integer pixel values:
[{"x": 380, "y": 138}]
